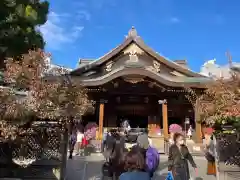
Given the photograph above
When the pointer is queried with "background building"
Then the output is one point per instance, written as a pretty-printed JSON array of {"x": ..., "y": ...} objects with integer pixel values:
[{"x": 211, "y": 69}]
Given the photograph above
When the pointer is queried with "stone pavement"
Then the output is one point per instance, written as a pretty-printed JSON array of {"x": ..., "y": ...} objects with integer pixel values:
[{"x": 89, "y": 168}]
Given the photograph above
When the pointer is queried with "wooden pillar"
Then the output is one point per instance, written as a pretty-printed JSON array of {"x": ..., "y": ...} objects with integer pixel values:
[
  {"x": 164, "y": 117},
  {"x": 100, "y": 119}
]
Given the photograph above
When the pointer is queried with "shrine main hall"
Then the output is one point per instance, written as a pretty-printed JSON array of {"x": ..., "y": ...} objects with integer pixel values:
[{"x": 134, "y": 82}]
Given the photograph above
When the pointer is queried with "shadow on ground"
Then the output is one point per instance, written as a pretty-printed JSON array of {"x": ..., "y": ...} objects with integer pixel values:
[
  {"x": 89, "y": 168},
  {"x": 84, "y": 168}
]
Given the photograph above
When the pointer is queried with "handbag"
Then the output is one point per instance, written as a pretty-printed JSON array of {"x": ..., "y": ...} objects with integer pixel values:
[
  {"x": 209, "y": 157},
  {"x": 169, "y": 176}
]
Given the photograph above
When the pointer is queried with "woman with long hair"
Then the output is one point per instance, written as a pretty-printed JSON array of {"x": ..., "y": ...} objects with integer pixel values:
[
  {"x": 209, "y": 151},
  {"x": 134, "y": 165},
  {"x": 178, "y": 158},
  {"x": 114, "y": 154},
  {"x": 117, "y": 156}
]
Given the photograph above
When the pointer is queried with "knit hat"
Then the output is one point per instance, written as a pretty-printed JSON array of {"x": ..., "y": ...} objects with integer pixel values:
[{"x": 142, "y": 141}]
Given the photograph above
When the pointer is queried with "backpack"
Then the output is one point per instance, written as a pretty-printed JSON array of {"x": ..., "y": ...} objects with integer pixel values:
[
  {"x": 152, "y": 159},
  {"x": 107, "y": 169}
]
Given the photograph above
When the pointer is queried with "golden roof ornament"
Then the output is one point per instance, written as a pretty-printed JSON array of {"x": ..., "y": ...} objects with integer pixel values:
[
  {"x": 156, "y": 66},
  {"x": 133, "y": 56},
  {"x": 109, "y": 66}
]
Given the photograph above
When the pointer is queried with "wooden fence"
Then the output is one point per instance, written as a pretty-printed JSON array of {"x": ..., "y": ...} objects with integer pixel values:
[{"x": 42, "y": 154}]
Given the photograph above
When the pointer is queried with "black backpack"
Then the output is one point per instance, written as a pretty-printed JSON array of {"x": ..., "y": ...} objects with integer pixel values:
[{"x": 107, "y": 169}]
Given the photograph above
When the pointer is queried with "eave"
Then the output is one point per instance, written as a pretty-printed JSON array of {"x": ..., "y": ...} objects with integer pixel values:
[{"x": 174, "y": 81}]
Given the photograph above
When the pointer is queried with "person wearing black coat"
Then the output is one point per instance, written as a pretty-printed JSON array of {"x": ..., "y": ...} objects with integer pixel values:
[{"x": 178, "y": 158}]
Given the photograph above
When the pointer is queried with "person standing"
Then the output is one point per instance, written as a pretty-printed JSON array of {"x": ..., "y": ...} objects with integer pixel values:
[
  {"x": 109, "y": 145},
  {"x": 149, "y": 153},
  {"x": 190, "y": 131},
  {"x": 126, "y": 126},
  {"x": 209, "y": 151},
  {"x": 72, "y": 142},
  {"x": 178, "y": 158},
  {"x": 80, "y": 136},
  {"x": 114, "y": 156}
]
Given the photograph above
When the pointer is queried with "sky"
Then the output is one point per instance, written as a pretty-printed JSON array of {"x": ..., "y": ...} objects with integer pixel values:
[{"x": 194, "y": 30}]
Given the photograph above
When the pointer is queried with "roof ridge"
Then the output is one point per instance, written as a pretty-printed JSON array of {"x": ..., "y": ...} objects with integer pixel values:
[{"x": 133, "y": 36}]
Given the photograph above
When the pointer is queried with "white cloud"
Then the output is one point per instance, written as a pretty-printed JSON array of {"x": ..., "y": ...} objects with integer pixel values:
[
  {"x": 57, "y": 33},
  {"x": 174, "y": 20}
]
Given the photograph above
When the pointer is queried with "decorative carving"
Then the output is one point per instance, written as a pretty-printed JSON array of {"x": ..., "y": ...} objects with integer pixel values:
[
  {"x": 109, "y": 66},
  {"x": 133, "y": 51},
  {"x": 133, "y": 56},
  {"x": 115, "y": 85},
  {"x": 133, "y": 48},
  {"x": 156, "y": 66},
  {"x": 133, "y": 79},
  {"x": 154, "y": 84}
]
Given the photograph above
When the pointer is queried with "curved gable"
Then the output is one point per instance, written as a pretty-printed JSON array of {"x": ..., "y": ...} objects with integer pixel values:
[{"x": 133, "y": 40}]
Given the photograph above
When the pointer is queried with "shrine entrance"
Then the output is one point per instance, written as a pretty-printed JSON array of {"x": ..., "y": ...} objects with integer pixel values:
[
  {"x": 139, "y": 102},
  {"x": 137, "y": 115}
]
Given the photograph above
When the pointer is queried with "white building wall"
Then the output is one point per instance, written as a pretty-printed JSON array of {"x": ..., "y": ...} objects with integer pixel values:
[{"x": 211, "y": 69}]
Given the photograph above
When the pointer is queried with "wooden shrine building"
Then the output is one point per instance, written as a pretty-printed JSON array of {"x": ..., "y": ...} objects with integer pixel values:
[{"x": 132, "y": 81}]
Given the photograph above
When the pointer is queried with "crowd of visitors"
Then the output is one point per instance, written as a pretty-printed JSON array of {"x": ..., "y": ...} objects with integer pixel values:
[{"x": 142, "y": 160}]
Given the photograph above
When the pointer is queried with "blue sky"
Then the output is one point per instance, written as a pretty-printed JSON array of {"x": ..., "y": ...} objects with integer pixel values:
[{"x": 195, "y": 30}]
